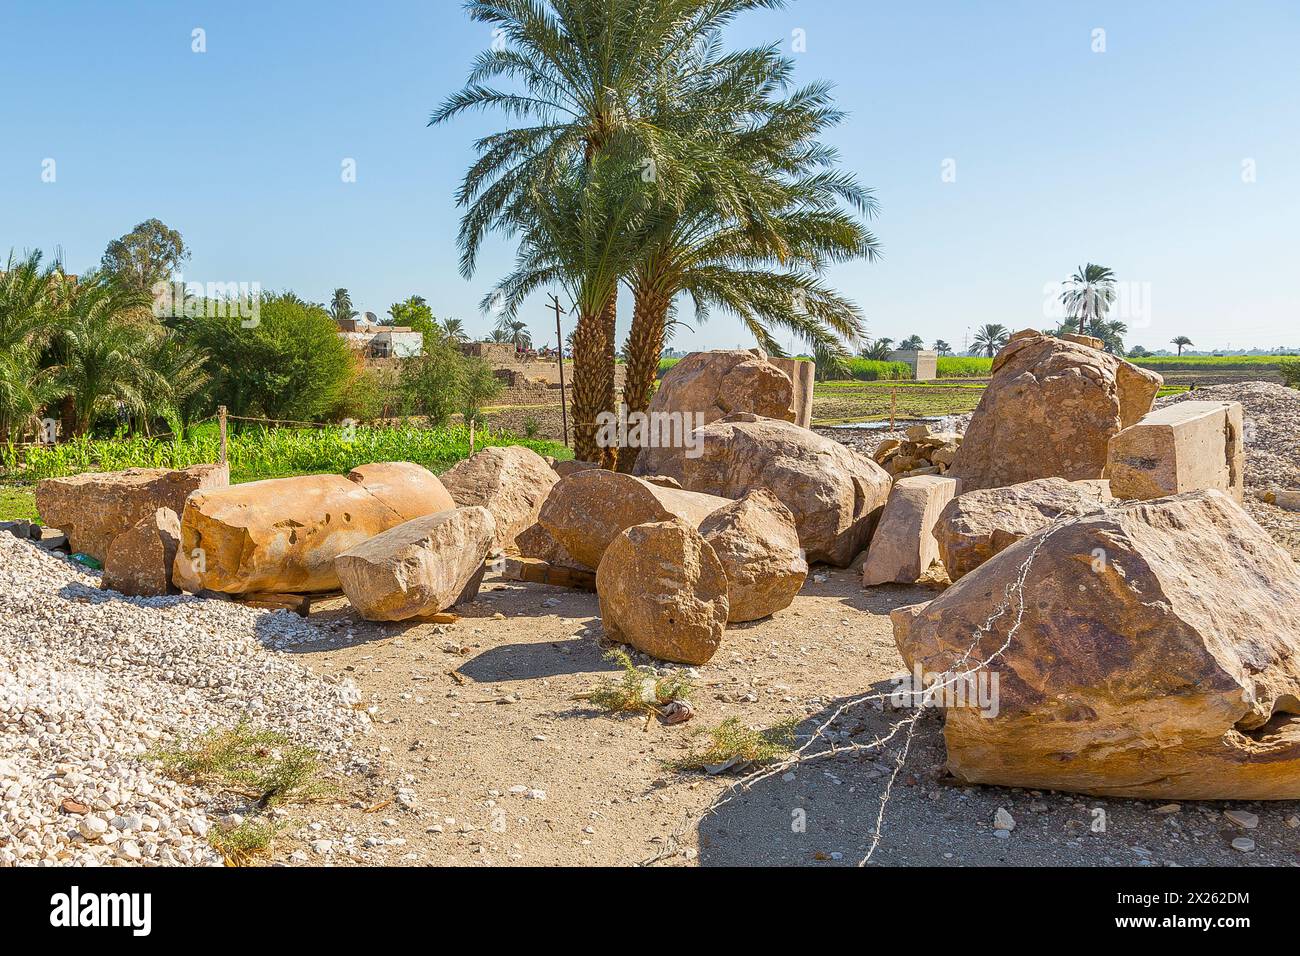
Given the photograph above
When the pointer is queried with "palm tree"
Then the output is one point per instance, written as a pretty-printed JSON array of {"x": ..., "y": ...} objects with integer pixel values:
[
  {"x": 341, "y": 306},
  {"x": 101, "y": 347},
  {"x": 1182, "y": 342},
  {"x": 756, "y": 222},
  {"x": 582, "y": 69},
  {"x": 878, "y": 350},
  {"x": 942, "y": 347},
  {"x": 454, "y": 329},
  {"x": 990, "y": 338},
  {"x": 912, "y": 343},
  {"x": 1088, "y": 294},
  {"x": 520, "y": 336},
  {"x": 29, "y": 296}
]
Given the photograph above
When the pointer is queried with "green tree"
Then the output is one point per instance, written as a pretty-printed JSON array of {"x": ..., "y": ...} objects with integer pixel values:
[
  {"x": 414, "y": 313},
  {"x": 1182, "y": 342},
  {"x": 291, "y": 365},
  {"x": 942, "y": 347},
  {"x": 146, "y": 255},
  {"x": 912, "y": 343},
  {"x": 431, "y": 384},
  {"x": 989, "y": 339},
  {"x": 479, "y": 386}
]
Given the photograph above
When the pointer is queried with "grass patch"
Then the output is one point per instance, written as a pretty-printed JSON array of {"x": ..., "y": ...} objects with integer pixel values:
[
  {"x": 17, "y": 503},
  {"x": 241, "y": 845},
  {"x": 731, "y": 742},
  {"x": 637, "y": 689},
  {"x": 840, "y": 402},
  {"x": 262, "y": 765}
]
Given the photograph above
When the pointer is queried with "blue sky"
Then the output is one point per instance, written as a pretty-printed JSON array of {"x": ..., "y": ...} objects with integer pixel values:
[{"x": 1136, "y": 157}]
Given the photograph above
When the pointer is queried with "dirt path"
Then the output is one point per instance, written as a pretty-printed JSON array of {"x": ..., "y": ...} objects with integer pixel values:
[{"x": 458, "y": 770}]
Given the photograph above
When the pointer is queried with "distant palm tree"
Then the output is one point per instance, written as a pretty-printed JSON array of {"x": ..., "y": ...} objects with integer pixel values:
[
  {"x": 878, "y": 350},
  {"x": 1182, "y": 342},
  {"x": 520, "y": 337},
  {"x": 341, "y": 306},
  {"x": 990, "y": 338},
  {"x": 942, "y": 347},
  {"x": 454, "y": 329},
  {"x": 912, "y": 343},
  {"x": 1088, "y": 294}
]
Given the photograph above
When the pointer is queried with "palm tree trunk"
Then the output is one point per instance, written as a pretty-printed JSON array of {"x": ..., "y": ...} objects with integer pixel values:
[
  {"x": 608, "y": 403},
  {"x": 645, "y": 342},
  {"x": 588, "y": 384}
]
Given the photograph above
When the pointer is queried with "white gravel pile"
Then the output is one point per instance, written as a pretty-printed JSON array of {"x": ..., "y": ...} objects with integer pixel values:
[
  {"x": 90, "y": 681},
  {"x": 1272, "y": 415}
]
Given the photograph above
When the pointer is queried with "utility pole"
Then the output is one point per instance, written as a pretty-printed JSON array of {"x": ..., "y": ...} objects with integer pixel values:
[{"x": 559, "y": 340}]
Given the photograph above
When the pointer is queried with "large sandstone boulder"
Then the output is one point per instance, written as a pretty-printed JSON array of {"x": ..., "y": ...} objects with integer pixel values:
[
  {"x": 978, "y": 524},
  {"x": 663, "y": 590},
  {"x": 1050, "y": 411},
  {"x": 835, "y": 494},
  {"x": 419, "y": 567},
  {"x": 1153, "y": 651},
  {"x": 93, "y": 509},
  {"x": 282, "y": 535},
  {"x": 904, "y": 546},
  {"x": 757, "y": 542},
  {"x": 139, "y": 561},
  {"x": 587, "y": 510},
  {"x": 1187, "y": 446},
  {"x": 511, "y": 482},
  {"x": 716, "y": 384}
]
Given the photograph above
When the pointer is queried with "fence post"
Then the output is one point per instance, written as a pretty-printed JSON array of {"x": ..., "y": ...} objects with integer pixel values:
[
  {"x": 471, "y": 435},
  {"x": 222, "y": 458},
  {"x": 893, "y": 407}
]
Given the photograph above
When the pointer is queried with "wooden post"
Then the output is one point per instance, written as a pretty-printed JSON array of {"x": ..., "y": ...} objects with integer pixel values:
[
  {"x": 222, "y": 454},
  {"x": 559, "y": 341},
  {"x": 471, "y": 436},
  {"x": 893, "y": 407}
]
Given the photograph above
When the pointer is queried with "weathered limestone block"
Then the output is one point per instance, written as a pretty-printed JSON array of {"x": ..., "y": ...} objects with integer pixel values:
[
  {"x": 586, "y": 511},
  {"x": 1186, "y": 446},
  {"x": 511, "y": 482},
  {"x": 139, "y": 561},
  {"x": 904, "y": 546},
  {"x": 419, "y": 567},
  {"x": 282, "y": 535},
  {"x": 757, "y": 542},
  {"x": 1050, "y": 411},
  {"x": 663, "y": 590},
  {"x": 978, "y": 524},
  {"x": 1153, "y": 651},
  {"x": 718, "y": 383},
  {"x": 834, "y": 493},
  {"x": 94, "y": 508}
]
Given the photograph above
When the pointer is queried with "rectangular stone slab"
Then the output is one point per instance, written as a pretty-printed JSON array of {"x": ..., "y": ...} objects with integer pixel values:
[
  {"x": 904, "y": 544},
  {"x": 1186, "y": 446}
]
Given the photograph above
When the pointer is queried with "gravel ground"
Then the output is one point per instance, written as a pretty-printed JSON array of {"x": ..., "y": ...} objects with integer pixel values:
[{"x": 90, "y": 681}]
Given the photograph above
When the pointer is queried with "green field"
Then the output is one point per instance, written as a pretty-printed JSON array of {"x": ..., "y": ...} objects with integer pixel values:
[{"x": 254, "y": 454}]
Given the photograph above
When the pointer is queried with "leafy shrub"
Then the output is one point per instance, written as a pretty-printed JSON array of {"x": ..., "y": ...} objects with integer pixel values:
[{"x": 1290, "y": 369}]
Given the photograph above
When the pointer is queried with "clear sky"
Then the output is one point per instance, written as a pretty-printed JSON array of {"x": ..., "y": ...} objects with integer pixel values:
[{"x": 1173, "y": 156}]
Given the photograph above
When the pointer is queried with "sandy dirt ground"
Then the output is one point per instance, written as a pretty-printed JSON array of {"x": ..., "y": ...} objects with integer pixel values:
[{"x": 506, "y": 764}]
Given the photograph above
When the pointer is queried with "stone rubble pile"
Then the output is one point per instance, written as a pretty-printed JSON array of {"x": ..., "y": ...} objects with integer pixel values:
[
  {"x": 90, "y": 682},
  {"x": 920, "y": 451}
]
